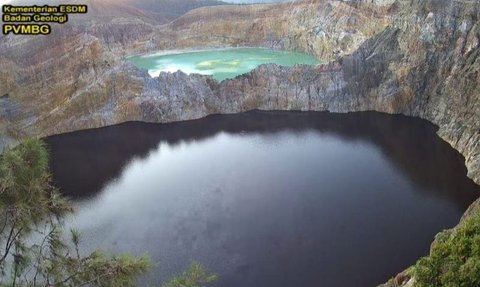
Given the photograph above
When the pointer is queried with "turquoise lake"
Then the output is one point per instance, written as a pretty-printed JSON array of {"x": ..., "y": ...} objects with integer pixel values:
[{"x": 221, "y": 64}]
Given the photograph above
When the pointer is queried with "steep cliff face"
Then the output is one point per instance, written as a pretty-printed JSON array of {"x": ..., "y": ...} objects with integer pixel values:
[
  {"x": 425, "y": 63},
  {"x": 326, "y": 29},
  {"x": 419, "y": 58},
  {"x": 39, "y": 74},
  {"x": 445, "y": 76},
  {"x": 436, "y": 75},
  {"x": 76, "y": 77}
]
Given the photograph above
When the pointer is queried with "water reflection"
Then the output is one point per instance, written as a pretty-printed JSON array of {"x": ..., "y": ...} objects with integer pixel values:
[
  {"x": 267, "y": 198},
  {"x": 411, "y": 144}
]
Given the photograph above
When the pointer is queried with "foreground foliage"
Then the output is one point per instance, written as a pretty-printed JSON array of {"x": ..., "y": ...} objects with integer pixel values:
[
  {"x": 454, "y": 259},
  {"x": 33, "y": 248},
  {"x": 194, "y": 276}
]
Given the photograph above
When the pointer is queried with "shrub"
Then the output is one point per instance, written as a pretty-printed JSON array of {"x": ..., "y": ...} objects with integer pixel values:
[{"x": 454, "y": 259}]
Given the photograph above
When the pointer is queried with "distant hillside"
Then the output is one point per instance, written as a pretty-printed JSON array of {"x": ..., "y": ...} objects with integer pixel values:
[
  {"x": 161, "y": 11},
  {"x": 170, "y": 8}
]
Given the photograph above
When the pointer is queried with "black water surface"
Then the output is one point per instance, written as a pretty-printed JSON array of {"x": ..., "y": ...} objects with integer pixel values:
[{"x": 266, "y": 198}]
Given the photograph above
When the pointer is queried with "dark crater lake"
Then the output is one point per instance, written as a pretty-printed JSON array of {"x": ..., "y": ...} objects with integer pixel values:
[{"x": 266, "y": 199}]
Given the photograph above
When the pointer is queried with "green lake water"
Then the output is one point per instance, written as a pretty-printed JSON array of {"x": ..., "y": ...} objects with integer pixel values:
[{"x": 221, "y": 64}]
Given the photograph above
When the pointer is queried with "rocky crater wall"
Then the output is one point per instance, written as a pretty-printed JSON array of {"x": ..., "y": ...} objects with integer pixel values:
[
  {"x": 418, "y": 58},
  {"x": 425, "y": 63}
]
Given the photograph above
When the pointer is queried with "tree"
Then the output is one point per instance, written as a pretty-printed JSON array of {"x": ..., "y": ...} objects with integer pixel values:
[
  {"x": 33, "y": 248},
  {"x": 194, "y": 276}
]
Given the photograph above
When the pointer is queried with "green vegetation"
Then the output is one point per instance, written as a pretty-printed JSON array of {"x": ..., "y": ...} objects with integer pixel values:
[
  {"x": 193, "y": 277},
  {"x": 34, "y": 250},
  {"x": 454, "y": 259}
]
